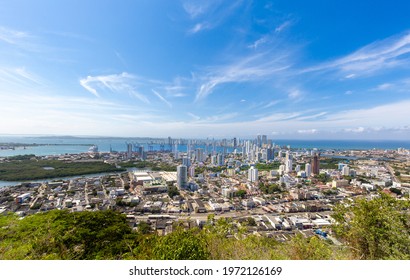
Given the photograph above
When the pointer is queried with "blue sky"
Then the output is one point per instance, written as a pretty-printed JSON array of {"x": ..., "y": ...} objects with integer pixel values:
[{"x": 287, "y": 69}]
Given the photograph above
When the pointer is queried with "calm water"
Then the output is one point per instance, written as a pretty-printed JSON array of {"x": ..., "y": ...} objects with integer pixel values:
[{"x": 72, "y": 145}]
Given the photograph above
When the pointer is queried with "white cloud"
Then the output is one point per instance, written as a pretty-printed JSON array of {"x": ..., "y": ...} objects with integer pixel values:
[
  {"x": 283, "y": 26},
  {"x": 312, "y": 117},
  {"x": 384, "y": 86},
  {"x": 210, "y": 13},
  {"x": 162, "y": 98},
  {"x": 307, "y": 131},
  {"x": 258, "y": 42},
  {"x": 199, "y": 27},
  {"x": 19, "y": 77},
  {"x": 348, "y": 92},
  {"x": 251, "y": 68},
  {"x": 295, "y": 95},
  {"x": 118, "y": 83},
  {"x": 222, "y": 117},
  {"x": 355, "y": 130},
  {"x": 378, "y": 56},
  {"x": 195, "y": 9},
  {"x": 195, "y": 117},
  {"x": 11, "y": 36},
  {"x": 271, "y": 103}
]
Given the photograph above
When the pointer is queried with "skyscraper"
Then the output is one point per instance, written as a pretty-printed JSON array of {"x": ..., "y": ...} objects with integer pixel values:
[
  {"x": 253, "y": 174},
  {"x": 315, "y": 164},
  {"x": 199, "y": 155},
  {"x": 264, "y": 140},
  {"x": 182, "y": 176},
  {"x": 221, "y": 160},
  {"x": 186, "y": 161},
  {"x": 129, "y": 150},
  {"x": 308, "y": 169},
  {"x": 270, "y": 154}
]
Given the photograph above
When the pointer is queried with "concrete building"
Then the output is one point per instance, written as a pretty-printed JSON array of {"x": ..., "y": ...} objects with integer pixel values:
[
  {"x": 308, "y": 169},
  {"x": 182, "y": 176},
  {"x": 315, "y": 164},
  {"x": 253, "y": 174}
]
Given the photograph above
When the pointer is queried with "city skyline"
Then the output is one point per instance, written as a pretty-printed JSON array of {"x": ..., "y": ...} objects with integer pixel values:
[{"x": 211, "y": 69}]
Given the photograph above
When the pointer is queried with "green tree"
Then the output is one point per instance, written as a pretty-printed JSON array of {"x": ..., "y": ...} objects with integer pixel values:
[
  {"x": 241, "y": 193},
  {"x": 313, "y": 248},
  {"x": 181, "y": 245},
  {"x": 173, "y": 191},
  {"x": 375, "y": 229}
]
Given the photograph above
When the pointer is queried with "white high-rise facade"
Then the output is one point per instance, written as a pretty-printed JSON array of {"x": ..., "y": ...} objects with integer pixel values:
[
  {"x": 253, "y": 174},
  {"x": 308, "y": 169},
  {"x": 345, "y": 170}
]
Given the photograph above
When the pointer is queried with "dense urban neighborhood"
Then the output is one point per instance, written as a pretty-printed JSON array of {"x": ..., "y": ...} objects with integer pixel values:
[{"x": 275, "y": 191}]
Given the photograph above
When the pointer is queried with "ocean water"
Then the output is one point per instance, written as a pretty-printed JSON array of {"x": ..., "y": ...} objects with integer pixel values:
[{"x": 73, "y": 145}]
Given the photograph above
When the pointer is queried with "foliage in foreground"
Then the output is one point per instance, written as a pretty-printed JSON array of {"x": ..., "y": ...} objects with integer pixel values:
[{"x": 376, "y": 229}]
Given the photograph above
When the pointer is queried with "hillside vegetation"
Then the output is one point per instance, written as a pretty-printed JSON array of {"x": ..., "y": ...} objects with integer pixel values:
[{"x": 367, "y": 233}]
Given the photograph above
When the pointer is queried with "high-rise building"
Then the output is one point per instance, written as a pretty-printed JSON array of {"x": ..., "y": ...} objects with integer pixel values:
[
  {"x": 315, "y": 164},
  {"x": 191, "y": 171},
  {"x": 289, "y": 166},
  {"x": 214, "y": 160},
  {"x": 270, "y": 154},
  {"x": 235, "y": 142},
  {"x": 264, "y": 140},
  {"x": 129, "y": 150},
  {"x": 186, "y": 161},
  {"x": 182, "y": 176},
  {"x": 199, "y": 155},
  {"x": 176, "y": 154},
  {"x": 221, "y": 160},
  {"x": 253, "y": 174},
  {"x": 345, "y": 170},
  {"x": 308, "y": 169},
  {"x": 259, "y": 141}
]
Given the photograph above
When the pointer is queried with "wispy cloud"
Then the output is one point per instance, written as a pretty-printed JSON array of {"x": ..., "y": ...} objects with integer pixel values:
[
  {"x": 121, "y": 59},
  {"x": 378, "y": 56},
  {"x": 196, "y": 8},
  {"x": 251, "y": 68},
  {"x": 118, "y": 83},
  {"x": 283, "y": 26},
  {"x": 222, "y": 117},
  {"x": 295, "y": 95},
  {"x": 209, "y": 14},
  {"x": 312, "y": 117},
  {"x": 384, "y": 86},
  {"x": 270, "y": 104},
  {"x": 359, "y": 129},
  {"x": 259, "y": 42},
  {"x": 19, "y": 77},
  {"x": 307, "y": 131},
  {"x": 199, "y": 27},
  {"x": 162, "y": 98},
  {"x": 195, "y": 117},
  {"x": 11, "y": 36}
]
